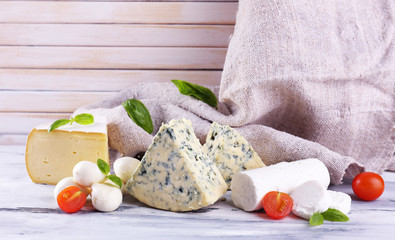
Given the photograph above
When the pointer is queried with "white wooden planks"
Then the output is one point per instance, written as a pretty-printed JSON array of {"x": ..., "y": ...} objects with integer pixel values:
[
  {"x": 118, "y": 12},
  {"x": 12, "y": 34},
  {"x": 24, "y": 122},
  {"x": 13, "y": 139},
  {"x": 112, "y": 57},
  {"x": 29, "y": 101},
  {"x": 96, "y": 80},
  {"x": 58, "y": 55}
]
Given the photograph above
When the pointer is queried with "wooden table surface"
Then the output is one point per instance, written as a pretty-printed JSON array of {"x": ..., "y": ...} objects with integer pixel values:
[{"x": 29, "y": 211}]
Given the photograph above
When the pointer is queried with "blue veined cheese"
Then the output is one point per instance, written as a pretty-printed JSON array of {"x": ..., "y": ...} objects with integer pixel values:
[
  {"x": 175, "y": 173},
  {"x": 230, "y": 151}
]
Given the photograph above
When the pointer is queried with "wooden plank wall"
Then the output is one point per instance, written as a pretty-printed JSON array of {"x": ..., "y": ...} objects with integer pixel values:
[{"x": 58, "y": 55}]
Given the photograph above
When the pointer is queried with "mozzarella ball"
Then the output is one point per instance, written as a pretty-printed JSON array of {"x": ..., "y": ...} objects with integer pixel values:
[
  {"x": 125, "y": 167},
  {"x": 86, "y": 173},
  {"x": 123, "y": 189},
  {"x": 68, "y": 182},
  {"x": 106, "y": 197}
]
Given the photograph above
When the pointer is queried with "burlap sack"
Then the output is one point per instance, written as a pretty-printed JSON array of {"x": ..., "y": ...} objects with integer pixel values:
[{"x": 299, "y": 75}]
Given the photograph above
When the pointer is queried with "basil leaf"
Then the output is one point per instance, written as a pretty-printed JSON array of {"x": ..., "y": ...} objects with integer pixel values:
[
  {"x": 139, "y": 114},
  {"x": 196, "y": 91},
  {"x": 84, "y": 119},
  {"x": 58, "y": 123},
  {"x": 116, "y": 180},
  {"x": 317, "y": 219},
  {"x": 334, "y": 215},
  {"x": 103, "y": 166}
]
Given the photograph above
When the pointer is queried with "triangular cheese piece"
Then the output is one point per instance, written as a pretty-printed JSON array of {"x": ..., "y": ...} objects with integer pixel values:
[
  {"x": 230, "y": 151},
  {"x": 175, "y": 173},
  {"x": 50, "y": 157}
]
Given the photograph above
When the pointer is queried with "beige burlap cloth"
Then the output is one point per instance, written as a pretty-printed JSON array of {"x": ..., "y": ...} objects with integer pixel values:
[{"x": 301, "y": 79}]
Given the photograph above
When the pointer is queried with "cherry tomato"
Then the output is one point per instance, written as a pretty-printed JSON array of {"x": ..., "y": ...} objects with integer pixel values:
[
  {"x": 277, "y": 204},
  {"x": 368, "y": 186},
  {"x": 71, "y": 199}
]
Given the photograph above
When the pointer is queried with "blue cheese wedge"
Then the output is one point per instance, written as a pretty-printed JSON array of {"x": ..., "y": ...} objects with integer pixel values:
[
  {"x": 175, "y": 173},
  {"x": 230, "y": 151}
]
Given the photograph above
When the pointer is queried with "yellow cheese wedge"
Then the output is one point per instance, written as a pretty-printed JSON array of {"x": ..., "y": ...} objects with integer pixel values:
[{"x": 50, "y": 157}]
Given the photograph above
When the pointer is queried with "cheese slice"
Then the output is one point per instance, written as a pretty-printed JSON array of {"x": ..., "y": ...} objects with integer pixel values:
[
  {"x": 175, "y": 173},
  {"x": 50, "y": 157},
  {"x": 230, "y": 151}
]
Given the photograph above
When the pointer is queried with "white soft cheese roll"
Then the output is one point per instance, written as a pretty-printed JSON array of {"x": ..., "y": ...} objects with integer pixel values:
[
  {"x": 340, "y": 201},
  {"x": 249, "y": 187},
  {"x": 309, "y": 198}
]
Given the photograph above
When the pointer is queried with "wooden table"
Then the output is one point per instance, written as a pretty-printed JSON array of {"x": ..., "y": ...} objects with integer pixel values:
[{"x": 29, "y": 211}]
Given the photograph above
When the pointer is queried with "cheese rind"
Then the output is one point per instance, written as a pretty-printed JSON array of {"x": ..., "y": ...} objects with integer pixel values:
[
  {"x": 50, "y": 157},
  {"x": 230, "y": 151},
  {"x": 175, "y": 173}
]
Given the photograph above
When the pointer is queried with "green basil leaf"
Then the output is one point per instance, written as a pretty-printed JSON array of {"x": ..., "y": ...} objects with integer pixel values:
[
  {"x": 196, "y": 91},
  {"x": 71, "y": 120},
  {"x": 116, "y": 180},
  {"x": 103, "y": 166},
  {"x": 84, "y": 119},
  {"x": 58, "y": 123},
  {"x": 317, "y": 219},
  {"x": 334, "y": 215},
  {"x": 139, "y": 114}
]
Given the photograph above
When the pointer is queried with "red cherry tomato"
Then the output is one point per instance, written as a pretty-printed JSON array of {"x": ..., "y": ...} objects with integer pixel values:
[
  {"x": 368, "y": 186},
  {"x": 277, "y": 204},
  {"x": 71, "y": 199}
]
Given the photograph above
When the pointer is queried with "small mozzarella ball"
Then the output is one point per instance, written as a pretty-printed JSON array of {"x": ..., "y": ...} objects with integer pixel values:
[
  {"x": 123, "y": 189},
  {"x": 125, "y": 167},
  {"x": 68, "y": 182},
  {"x": 106, "y": 197},
  {"x": 86, "y": 173}
]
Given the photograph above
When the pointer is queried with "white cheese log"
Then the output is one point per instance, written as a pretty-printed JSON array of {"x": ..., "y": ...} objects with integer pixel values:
[
  {"x": 249, "y": 187},
  {"x": 309, "y": 198},
  {"x": 340, "y": 201}
]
